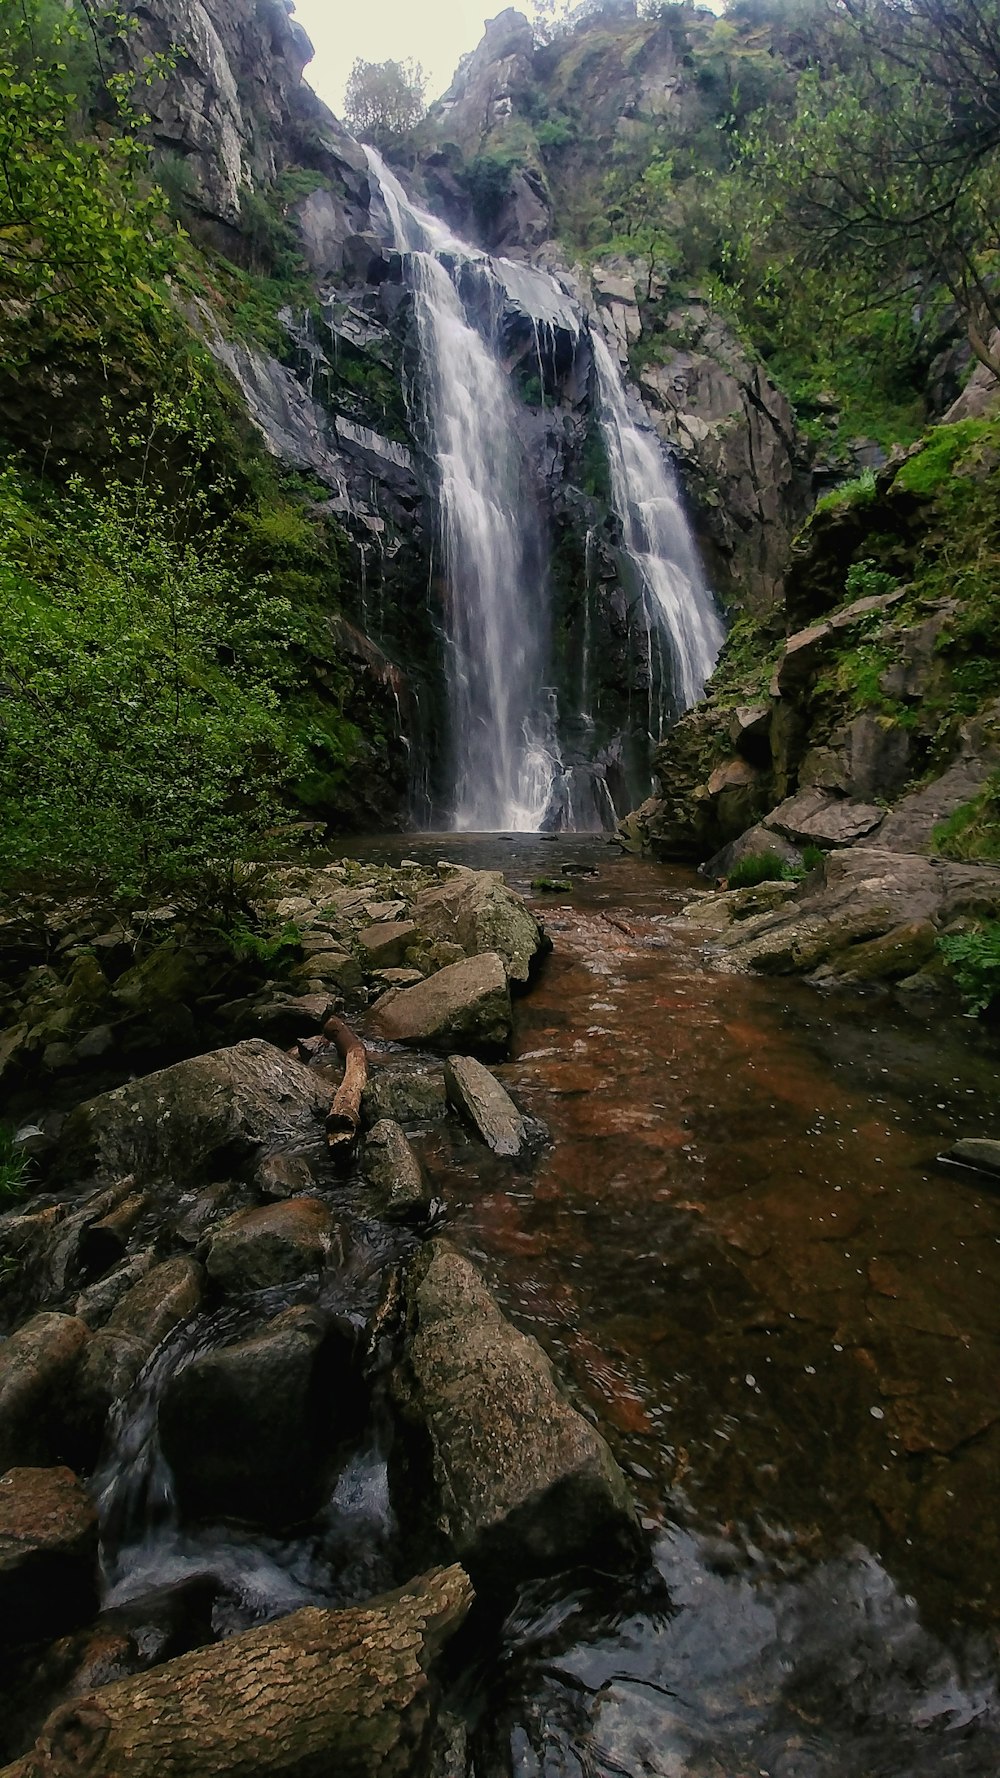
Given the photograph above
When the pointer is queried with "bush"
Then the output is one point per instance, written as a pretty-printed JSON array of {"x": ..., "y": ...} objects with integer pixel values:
[
  {"x": 758, "y": 867},
  {"x": 974, "y": 960},
  {"x": 14, "y": 1168},
  {"x": 142, "y": 744}
]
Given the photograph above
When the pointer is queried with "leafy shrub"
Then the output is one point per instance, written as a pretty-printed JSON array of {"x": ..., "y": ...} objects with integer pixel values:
[
  {"x": 142, "y": 742},
  {"x": 250, "y": 946},
  {"x": 866, "y": 580},
  {"x": 758, "y": 867},
  {"x": 973, "y": 831},
  {"x": 15, "y": 1167},
  {"x": 859, "y": 492},
  {"x": 974, "y": 960}
]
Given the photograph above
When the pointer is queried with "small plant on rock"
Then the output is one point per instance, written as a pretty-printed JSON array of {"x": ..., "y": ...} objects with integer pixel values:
[
  {"x": 974, "y": 959},
  {"x": 15, "y": 1168}
]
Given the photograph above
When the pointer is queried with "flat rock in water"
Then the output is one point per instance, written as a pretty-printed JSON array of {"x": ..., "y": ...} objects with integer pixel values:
[
  {"x": 479, "y": 1098},
  {"x": 977, "y": 1151},
  {"x": 519, "y": 1481},
  {"x": 466, "y": 1004},
  {"x": 394, "y": 1174},
  {"x": 276, "y": 1244},
  {"x": 48, "y": 1554}
]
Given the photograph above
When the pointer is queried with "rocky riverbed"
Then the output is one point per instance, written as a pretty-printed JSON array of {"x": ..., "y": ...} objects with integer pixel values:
[{"x": 583, "y": 1410}]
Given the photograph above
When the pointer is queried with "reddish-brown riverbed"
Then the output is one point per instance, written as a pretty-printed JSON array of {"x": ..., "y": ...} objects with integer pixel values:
[{"x": 785, "y": 1315}]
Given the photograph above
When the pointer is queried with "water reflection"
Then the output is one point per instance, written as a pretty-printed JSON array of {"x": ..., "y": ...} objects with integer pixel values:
[{"x": 785, "y": 1317}]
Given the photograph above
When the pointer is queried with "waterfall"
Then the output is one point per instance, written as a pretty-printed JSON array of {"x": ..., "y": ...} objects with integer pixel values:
[
  {"x": 658, "y": 542},
  {"x": 496, "y": 605}
]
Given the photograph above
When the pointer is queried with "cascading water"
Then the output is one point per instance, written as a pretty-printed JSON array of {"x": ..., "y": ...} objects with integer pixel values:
[
  {"x": 496, "y": 616},
  {"x": 658, "y": 541}
]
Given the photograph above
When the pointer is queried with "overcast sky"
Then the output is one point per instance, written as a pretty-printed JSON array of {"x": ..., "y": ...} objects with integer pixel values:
[{"x": 433, "y": 32}]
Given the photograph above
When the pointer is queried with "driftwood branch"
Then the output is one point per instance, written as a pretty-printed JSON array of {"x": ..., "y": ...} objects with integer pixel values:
[
  {"x": 344, "y": 1117},
  {"x": 317, "y": 1693}
]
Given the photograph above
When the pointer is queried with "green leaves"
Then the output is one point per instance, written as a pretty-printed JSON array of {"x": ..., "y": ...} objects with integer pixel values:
[{"x": 142, "y": 740}]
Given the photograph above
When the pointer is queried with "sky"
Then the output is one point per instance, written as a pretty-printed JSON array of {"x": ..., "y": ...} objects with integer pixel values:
[{"x": 433, "y": 32}]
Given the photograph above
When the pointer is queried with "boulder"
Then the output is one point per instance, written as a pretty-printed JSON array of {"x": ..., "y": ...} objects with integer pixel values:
[
  {"x": 899, "y": 952},
  {"x": 39, "y": 1367},
  {"x": 977, "y": 1151},
  {"x": 478, "y": 1097},
  {"x": 211, "y": 1116},
  {"x": 167, "y": 1297},
  {"x": 48, "y": 1554},
  {"x": 247, "y": 1429},
  {"x": 402, "y": 1089},
  {"x": 819, "y": 818},
  {"x": 398, "y": 1191},
  {"x": 276, "y": 1244},
  {"x": 335, "y": 966},
  {"x": 386, "y": 945},
  {"x": 513, "y": 1477},
  {"x": 476, "y": 910},
  {"x": 466, "y": 1004}
]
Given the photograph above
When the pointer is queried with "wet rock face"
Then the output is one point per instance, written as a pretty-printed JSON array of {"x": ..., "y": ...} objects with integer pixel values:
[
  {"x": 466, "y": 1003},
  {"x": 221, "y": 1110},
  {"x": 397, "y": 1189},
  {"x": 39, "y": 1366},
  {"x": 248, "y": 1429},
  {"x": 517, "y": 1480},
  {"x": 277, "y": 1244},
  {"x": 48, "y": 1554},
  {"x": 479, "y": 1098}
]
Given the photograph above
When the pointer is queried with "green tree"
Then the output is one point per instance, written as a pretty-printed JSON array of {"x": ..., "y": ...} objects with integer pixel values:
[
  {"x": 384, "y": 100},
  {"x": 142, "y": 739}
]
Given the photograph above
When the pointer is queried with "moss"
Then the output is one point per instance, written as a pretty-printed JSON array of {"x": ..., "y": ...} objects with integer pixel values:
[
  {"x": 927, "y": 472},
  {"x": 859, "y": 492},
  {"x": 973, "y": 831}
]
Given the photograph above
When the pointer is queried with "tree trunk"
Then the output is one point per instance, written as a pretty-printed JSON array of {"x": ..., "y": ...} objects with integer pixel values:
[
  {"x": 317, "y": 1694},
  {"x": 344, "y": 1118}
]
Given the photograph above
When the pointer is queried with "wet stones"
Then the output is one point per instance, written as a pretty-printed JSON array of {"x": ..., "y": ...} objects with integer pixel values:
[
  {"x": 48, "y": 1554},
  {"x": 397, "y": 1189},
  {"x": 478, "y": 1097},
  {"x": 466, "y": 1004},
  {"x": 982, "y": 1152},
  {"x": 217, "y": 1113},
  {"x": 276, "y": 1244},
  {"x": 39, "y": 1366},
  {"x": 402, "y": 1089},
  {"x": 515, "y": 1479},
  {"x": 476, "y": 910},
  {"x": 247, "y": 1428}
]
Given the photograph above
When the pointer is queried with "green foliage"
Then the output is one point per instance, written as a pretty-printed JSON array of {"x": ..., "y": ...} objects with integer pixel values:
[
  {"x": 80, "y": 223},
  {"x": 866, "y": 580},
  {"x": 926, "y": 473},
  {"x": 859, "y": 492},
  {"x": 974, "y": 960},
  {"x": 758, "y": 867},
  {"x": 973, "y": 831},
  {"x": 15, "y": 1168},
  {"x": 143, "y": 743},
  {"x": 249, "y": 945},
  {"x": 384, "y": 100},
  {"x": 551, "y": 885}
]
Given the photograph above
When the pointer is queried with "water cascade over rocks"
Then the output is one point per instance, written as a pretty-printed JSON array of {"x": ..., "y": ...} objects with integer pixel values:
[
  {"x": 507, "y": 770},
  {"x": 658, "y": 542},
  {"x": 496, "y": 611}
]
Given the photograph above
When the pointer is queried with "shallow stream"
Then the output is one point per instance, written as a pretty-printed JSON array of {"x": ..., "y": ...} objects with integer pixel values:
[{"x": 742, "y": 1253}]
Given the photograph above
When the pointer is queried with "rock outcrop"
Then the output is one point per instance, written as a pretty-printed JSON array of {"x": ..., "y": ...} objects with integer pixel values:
[{"x": 517, "y": 1480}]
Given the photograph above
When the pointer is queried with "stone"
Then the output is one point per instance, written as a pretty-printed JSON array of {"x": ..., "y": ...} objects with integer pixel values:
[
  {"x": 386, "y": 945},
  {"x": 48, "y": 1554},
  {"x": 162, "y": 1301},
  {"x": 892, "y": 955},
  {"x": 404, "y": 1090},
  {"x": 96, "y": 1303},
  {"x": 398, "y": 978},
  {"x": 232, "y": 1104},
  {"x": 385, "y": 910},
  {"x": 276, "y": 1244},
  {"x": 398, "y": 1191},
  {"x": 284, "y": 1019},
  {"x": 815, "y": 817},
  {"x": 977, "y": 1151},
  {"x": 478, "y": 1097},
  {"x": 247, "y": 1429},
  {"x": 39, "y": 1366},
  {"x": 516, "y": 1480},
  {"x": 167, "y": 1296},
  {"x": 283, "y": 1175},
  {"x": 465, "y": 1004},
  {"x": 476, "y": 910},
  {"x": 334, "y": 966}
]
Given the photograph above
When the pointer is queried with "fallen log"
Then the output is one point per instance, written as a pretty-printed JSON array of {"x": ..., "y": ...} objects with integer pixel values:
[
  {"x": 344, "y": 1117},
  {"x": 317, "y": 1693}
]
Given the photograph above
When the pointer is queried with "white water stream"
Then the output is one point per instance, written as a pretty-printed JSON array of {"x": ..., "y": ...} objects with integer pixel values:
[{"x": 506, "y": 765}]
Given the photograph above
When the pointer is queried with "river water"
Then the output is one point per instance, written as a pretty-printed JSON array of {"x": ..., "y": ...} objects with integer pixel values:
[{"x": 784, "y": 1314}]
